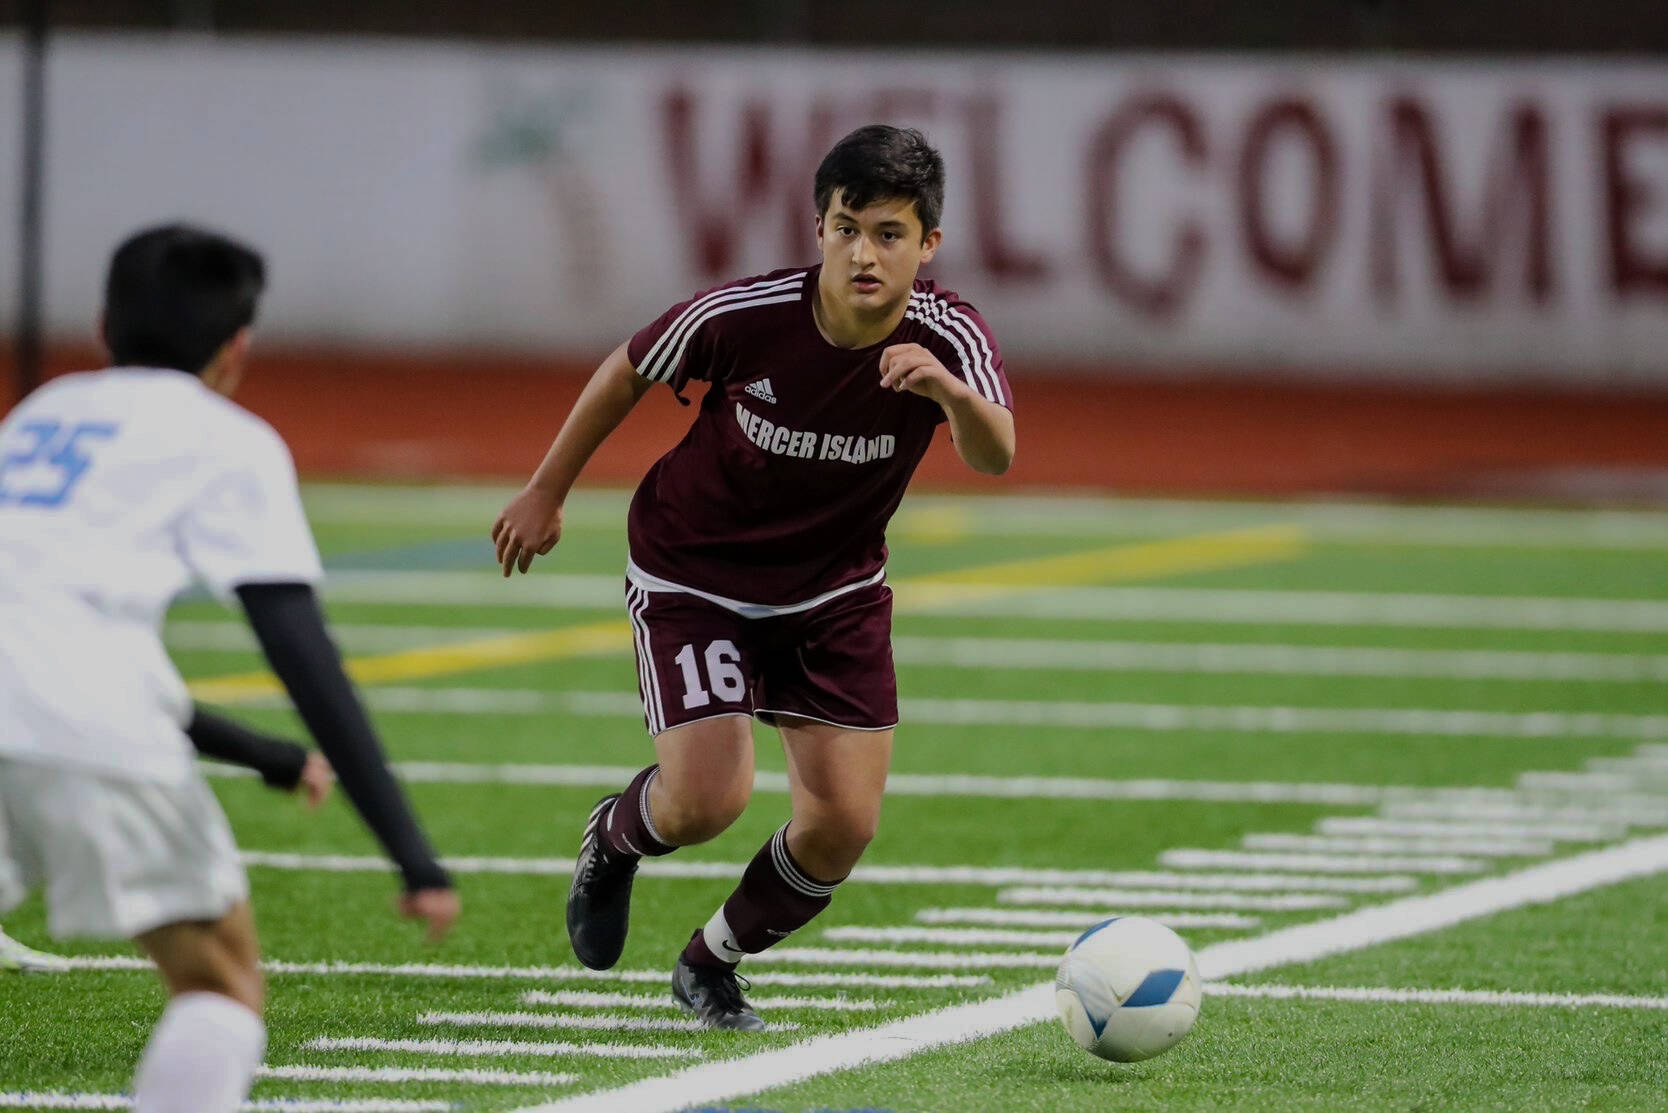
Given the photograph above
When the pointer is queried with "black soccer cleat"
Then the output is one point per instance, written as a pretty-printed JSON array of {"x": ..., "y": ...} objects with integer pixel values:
[
  {"x": 713, "y": 994},
  {"x": 599, "y": 900}
]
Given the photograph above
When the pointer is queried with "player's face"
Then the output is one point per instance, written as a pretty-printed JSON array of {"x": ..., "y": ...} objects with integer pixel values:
[{"x": 870, "y": 256}]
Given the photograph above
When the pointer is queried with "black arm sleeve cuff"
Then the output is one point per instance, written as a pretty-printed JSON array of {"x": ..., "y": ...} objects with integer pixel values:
[
  {"x": 278, "y": 762},
  {"x": 290, "y": 626}
]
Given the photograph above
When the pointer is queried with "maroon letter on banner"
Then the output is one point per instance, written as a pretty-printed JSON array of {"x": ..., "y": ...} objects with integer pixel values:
[
  {"x": 1156, "y": 297},
  {"x": 1632, "y": 272},
  {"x": 713, "y": 227},
  {"x": 1290, "y": 264},
  {"x": 1467, "y": 269},
  {"x": 1002, "y": 258}
]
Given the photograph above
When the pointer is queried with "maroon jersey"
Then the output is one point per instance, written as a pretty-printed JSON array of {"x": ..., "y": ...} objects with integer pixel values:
[{"x": 783, "y": 486}]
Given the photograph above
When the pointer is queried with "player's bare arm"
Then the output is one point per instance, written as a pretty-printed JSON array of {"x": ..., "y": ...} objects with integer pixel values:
[
  {"x": 983, "y": 431},
  {"x": 531, "y": 524}
]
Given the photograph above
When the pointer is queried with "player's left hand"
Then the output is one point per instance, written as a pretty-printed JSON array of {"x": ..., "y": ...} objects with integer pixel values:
[
  {"x": 438, "y": 907},
  {"x": 911, "y": 367},
  {"x": 316, "y": 780}
]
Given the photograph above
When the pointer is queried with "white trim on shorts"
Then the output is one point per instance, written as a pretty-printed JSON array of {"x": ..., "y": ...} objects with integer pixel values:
[
  {"x": 637, "y": 601},
  {"x": 704, "y": 719},
  {"x": 760, "y": 713},
  {"x": 645, "y": 582}
]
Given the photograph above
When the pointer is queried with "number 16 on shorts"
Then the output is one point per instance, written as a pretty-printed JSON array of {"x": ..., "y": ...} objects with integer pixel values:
[
  {"x": 831, "y": 663},
  {"x": 692, "y": 659},
  {"x": 722, "y": 678}
]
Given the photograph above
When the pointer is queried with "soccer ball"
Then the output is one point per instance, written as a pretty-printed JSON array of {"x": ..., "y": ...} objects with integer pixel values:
[{"x": 1127, "y": 989}]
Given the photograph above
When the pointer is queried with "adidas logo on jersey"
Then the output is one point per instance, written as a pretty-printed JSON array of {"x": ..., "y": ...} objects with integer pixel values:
[{"x": 761, "y": 390}]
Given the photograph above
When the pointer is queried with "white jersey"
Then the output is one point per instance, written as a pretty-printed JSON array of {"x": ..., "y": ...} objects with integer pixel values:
[{"x": 119, "y": 489}]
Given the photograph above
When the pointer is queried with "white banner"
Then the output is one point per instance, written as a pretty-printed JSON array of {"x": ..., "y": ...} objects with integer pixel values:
[{"x": 1466, "y": 220}]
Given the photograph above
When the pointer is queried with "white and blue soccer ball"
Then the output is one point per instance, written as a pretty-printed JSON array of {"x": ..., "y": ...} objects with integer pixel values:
[{"x": 1128, "y": 989}]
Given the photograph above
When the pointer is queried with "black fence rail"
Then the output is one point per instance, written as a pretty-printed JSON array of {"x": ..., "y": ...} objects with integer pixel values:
[{"x": 1510, "y": 26}]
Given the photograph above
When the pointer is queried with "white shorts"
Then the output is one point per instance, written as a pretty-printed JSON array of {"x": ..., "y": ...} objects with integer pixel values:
[{"x": 116, "y": 858}]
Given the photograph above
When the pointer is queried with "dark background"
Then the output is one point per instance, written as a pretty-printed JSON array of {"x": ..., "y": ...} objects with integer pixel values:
[{"x": 1425, "y": 26}]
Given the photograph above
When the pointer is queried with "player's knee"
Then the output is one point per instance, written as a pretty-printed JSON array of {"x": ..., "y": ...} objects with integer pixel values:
[
  {"x": 699, "y": 818},
  {"x": 845, "y": 832},
  {"x": 857, "y": 830}
]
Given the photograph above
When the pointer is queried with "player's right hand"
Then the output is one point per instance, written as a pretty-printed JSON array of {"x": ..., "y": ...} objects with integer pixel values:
[
  {"x": 440, "y": 907},
  {"x": 529, "y": 526},
  {"x": 316, "y": 779}
]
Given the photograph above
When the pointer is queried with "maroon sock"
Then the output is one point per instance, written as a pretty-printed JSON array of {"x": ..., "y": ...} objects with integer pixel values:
[
  {"x": 775, "y": 898},
  {"x": 628, "y": 828}
]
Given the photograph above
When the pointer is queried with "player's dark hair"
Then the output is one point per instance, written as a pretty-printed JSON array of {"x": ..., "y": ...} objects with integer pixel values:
[
  {"x": 879, "y": 162},
  {"x": 176, "y": 294}
]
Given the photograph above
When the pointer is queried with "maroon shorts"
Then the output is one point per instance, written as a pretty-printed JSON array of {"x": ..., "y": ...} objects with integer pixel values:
[{"x": 698, "y": 660}]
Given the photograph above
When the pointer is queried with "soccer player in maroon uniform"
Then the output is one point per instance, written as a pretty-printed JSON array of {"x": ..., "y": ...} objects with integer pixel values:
[{"x": 756, "y": 580}]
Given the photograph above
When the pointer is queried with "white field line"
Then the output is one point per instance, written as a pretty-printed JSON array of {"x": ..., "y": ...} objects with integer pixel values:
[
  {"x": 1026, "y": 917},
  {"x": 1447, "y": 800},
  {"x": 1073, "y": 655},
  {"x": 1611, "y": 812},
  {"x": 1398, "y": 919},
  {"x": 1316, "y": 863},
  {"x": 1592, "y": 782},
  {"x": 1415, "y": 915},
  {"x": 574, "y": 999},
  {"x": 1376, "y": 523},
  {"x": 556, "y": 973},
  {"x": 956, "y": 936},
  {"x": 1282, "y": 884},
  {"x": 1358, "y": 826},
  {"x": 1064, "y": 515},
  {"x": 480, "y": 589},
  {"x": 1436, "y": 996},
  {"x": 286, "y": 1105},
  {"x": 578, "y": 1021},
  {"x": 1656, "y": 766},
  {"x": 1341, "y": 844},
  {"x": 1295, "y": 608},
  {"x": 1635, "y": 809},
  {"x": 937, "y": 960},
  {"x": 882, "y": 875},
  {"x": 1281, "y": 660},
  {"x": 1128, "y": 604},
  {"x": 305, "y": 1073},
  {"x": 945, "y": 784},
  {"x": 1075, "y": 714},
  {"x": 1285, "y": 720},
  {"x": 503, "y": 1047},
  {"x": 362, "y": 637},
  {"x": 1123, "y": 899}
]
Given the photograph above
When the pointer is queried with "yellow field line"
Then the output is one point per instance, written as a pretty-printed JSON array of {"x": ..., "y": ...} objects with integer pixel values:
[
  {"x": 1206, "y": 552},
  {"x": 416, "y": 664},
  {"x": 1143, "y": 561}
]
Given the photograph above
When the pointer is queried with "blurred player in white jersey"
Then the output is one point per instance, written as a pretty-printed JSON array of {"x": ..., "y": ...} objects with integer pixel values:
[
  {"x": 118, "y": 489},
  {"x": 281, "y": 764}
]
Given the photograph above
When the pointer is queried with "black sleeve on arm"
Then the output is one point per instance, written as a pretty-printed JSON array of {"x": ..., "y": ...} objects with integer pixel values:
[
  {"x": 289, "y": 623},
  {"x": 277, "y": 761}
]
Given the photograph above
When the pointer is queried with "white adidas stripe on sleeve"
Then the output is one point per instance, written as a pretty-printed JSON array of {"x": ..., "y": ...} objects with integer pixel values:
[
  {"x": 939, "y": 314},
  {"x": 978, "y": 366},
  {"x": 664, "y": 355}
]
